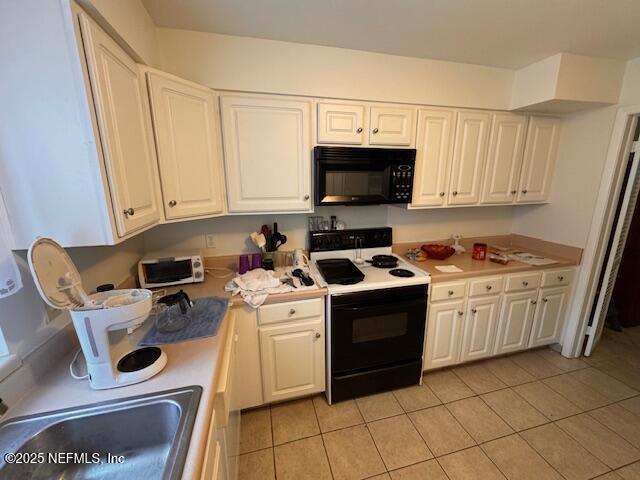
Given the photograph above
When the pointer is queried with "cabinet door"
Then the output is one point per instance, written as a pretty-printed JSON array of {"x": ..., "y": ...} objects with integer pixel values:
[
  {"x": 267, "y": 149},
  {"x": 444, "y": 334},
  {"x": 392, "y": 126},
  {"x": 540, "y": 153},
  {"x": 514, "y": 325},
  {"x": 550, "y": 316},
  {"x": 433, "y": 160},
  {"x": 190, "y": 160},
  {"x": 292, "y": 359},
  {"x": 341, "y": 123},
  {"x": 480, "y": 326},
  {"x": 469, "y": 156},
  {"x": 504, "y": 158},
  {"x": 122, "y": 112}
]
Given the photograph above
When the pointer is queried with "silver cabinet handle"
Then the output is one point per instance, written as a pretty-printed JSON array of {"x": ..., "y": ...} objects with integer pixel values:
[
  {"x": 292, "y": 311},
  {"x": 359, "y": 130},
  {"x": 173, "y": 203},
  {"x": 454, "y": 193},
  {"x": 526, "y": 284},
  {"x": 442, "y": 194},
  {"x": 545, "y": 300},
  {"x": 533, "y": 302},
  {"x": 474, "y": 310},
  {"x": 306, "y": 197},
  {"x": 513, "y": 192},
  {"x": 560, "y": 278},
  {"x": 525, "y": 191},
  {"x": 450, "y": 292},
  {"x": 460, "y": 313},
  {"x": 128, "y": 212},
  {"x": 489, "y": 287},
  {"x": 318, "y": 335},
  {"x": 375, "y": 130}
]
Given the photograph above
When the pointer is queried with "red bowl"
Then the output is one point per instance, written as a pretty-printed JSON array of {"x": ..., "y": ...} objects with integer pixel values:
[{"x": 438, "y": 251}]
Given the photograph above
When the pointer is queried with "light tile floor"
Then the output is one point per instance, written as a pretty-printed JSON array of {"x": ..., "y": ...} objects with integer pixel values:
[{"x": 533, "y": 415}]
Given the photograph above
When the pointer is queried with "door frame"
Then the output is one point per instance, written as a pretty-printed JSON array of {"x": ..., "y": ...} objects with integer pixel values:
[{"x": 595, "y": 249}]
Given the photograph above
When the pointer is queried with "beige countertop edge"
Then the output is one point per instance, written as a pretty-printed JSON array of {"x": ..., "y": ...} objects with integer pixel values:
[{"x": 189, "y": 363}]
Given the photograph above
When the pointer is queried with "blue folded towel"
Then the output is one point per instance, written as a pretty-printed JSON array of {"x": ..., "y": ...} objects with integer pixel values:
[{"x": 206, "y": 316}]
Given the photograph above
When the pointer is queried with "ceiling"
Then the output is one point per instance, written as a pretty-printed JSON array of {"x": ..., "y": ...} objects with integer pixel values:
[{"x": 502, "y": 33}]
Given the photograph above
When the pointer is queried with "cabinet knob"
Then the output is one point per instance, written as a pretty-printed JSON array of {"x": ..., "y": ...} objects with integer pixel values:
[
  {"x": 375, "y": 130},
  {"x": 442, "y": 194},
  {"x": 545, "y": 300},
  {"x": 173, "y": 203},
  {"x": 513, "y": 192},
  {"x": 292, "y": 311},
  {"x": 526, "y": 284},
  {"x": 128, "y": 212},
  {"x": 455, "y": 192},
  {"x": 533, "y": 302},
  {"x": 489, "y": 287},
  {"x": 450, "y": 292},
  {"x": 560, "y": 278},
  {"x": 474, "y": 310},
  {"x": 460, "y": 313},
  {"x": 306, "y": 197},
  {"x": 318, "y": 335},
  {"x": 525, "y": 191},
  {"x": 359, "y": 130}
]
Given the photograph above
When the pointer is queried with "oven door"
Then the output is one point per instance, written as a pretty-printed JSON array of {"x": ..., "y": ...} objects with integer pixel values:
[{"x": 377, "y": 328}]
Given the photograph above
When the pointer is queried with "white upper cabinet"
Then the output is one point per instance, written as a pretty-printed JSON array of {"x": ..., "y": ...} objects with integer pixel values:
[
  {"x": 504, "y": 158},
  {"x": 392, "y": 125},
  {"x": 433, "y": 158},
  {"x": 469, "y": 156},
  {"x": 540, "y": 154},
  {"x": 341, "y": 123},
  {"x": 267, "y": 148},
  {"x": 189, "y": 156},
  {"x": 122, "y": 112}
]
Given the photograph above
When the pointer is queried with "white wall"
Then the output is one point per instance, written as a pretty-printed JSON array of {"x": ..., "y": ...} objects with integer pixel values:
[
  {"x": 584, "y": 141},
  {"x": 242, "y": 63}
]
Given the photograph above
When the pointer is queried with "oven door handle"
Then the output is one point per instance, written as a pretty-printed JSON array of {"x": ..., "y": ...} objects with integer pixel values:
[{"x": 377, "y": 305}]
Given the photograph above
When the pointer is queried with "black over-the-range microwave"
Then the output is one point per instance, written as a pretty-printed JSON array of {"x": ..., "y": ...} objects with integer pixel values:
[{"x": 363, "y": 176}]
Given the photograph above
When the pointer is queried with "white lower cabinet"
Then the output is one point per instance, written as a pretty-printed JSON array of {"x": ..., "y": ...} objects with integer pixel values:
[
  {"x": 444, "y": 331},
  {"x": 516, "y": 317},
  {"x": 480, "y": 325},
  {"x": 549, "y": 318}
]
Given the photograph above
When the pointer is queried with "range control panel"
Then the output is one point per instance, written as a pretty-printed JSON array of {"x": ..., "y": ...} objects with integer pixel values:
[{"x": 327, "y": 240}]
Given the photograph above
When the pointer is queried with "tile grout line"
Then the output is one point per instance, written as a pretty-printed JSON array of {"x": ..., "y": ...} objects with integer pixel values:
[
  {"x": 369, "y": 432},
  {"x": 324, "y": 446}
]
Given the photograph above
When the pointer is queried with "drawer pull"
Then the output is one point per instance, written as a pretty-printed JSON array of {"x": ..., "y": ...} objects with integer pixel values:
[
  {"x": 359, "y": 130},
  {"x": 292, "y": 311},
  {"x": 545, "y": 300},
  {"x": 533, "y": 302},
  {"x": 489, "y": 287},
  {"x": 560, "y": 278},
  {"x": 318, "y": 335},
  {"x": 525, "y": 283},
  {"x": 460, "y": 313},
  {"x": 474, "y": 310},
  {"x": 450, "y": 292}
]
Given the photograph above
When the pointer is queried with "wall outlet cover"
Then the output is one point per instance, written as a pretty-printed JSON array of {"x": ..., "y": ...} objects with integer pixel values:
[{"x": 210, "y": 240}]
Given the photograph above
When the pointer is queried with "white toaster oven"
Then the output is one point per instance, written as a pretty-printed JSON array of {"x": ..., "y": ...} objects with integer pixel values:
[{"x": 164, "y": 270}]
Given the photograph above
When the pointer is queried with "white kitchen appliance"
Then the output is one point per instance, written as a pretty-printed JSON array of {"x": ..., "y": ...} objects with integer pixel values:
[
  {"x": 165, "y": 269},
  {"x": 103, "y": 321}
]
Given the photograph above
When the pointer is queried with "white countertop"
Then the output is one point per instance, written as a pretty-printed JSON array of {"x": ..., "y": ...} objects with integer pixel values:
[{"x": 189, "y": 363}]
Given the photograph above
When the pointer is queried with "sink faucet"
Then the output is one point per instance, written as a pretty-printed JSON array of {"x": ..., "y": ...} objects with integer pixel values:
[{"x": 3, "y": 407}]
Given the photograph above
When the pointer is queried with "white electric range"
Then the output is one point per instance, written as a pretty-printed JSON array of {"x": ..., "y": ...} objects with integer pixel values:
[{"x": 375, "y": 310}]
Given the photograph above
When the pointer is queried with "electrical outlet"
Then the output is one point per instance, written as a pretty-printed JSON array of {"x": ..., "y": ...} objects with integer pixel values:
[{"x": 210, "y": 240}]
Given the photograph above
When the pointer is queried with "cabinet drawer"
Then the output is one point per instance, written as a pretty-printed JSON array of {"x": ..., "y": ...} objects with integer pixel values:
[
  {"x": 522, "y": 282},
  {"x": 447, "y": 291},
  {"x": 485, "y": 286},
  {"x": 282, "y": 312},
  {"x": 554, "y": 278}
]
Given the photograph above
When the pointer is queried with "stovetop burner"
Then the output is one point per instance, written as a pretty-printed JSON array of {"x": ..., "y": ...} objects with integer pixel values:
[{"x": 401, "y": 272}]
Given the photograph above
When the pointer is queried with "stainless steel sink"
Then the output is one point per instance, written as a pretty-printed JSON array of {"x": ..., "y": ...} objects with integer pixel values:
[{"x": 147, "y": 437}]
